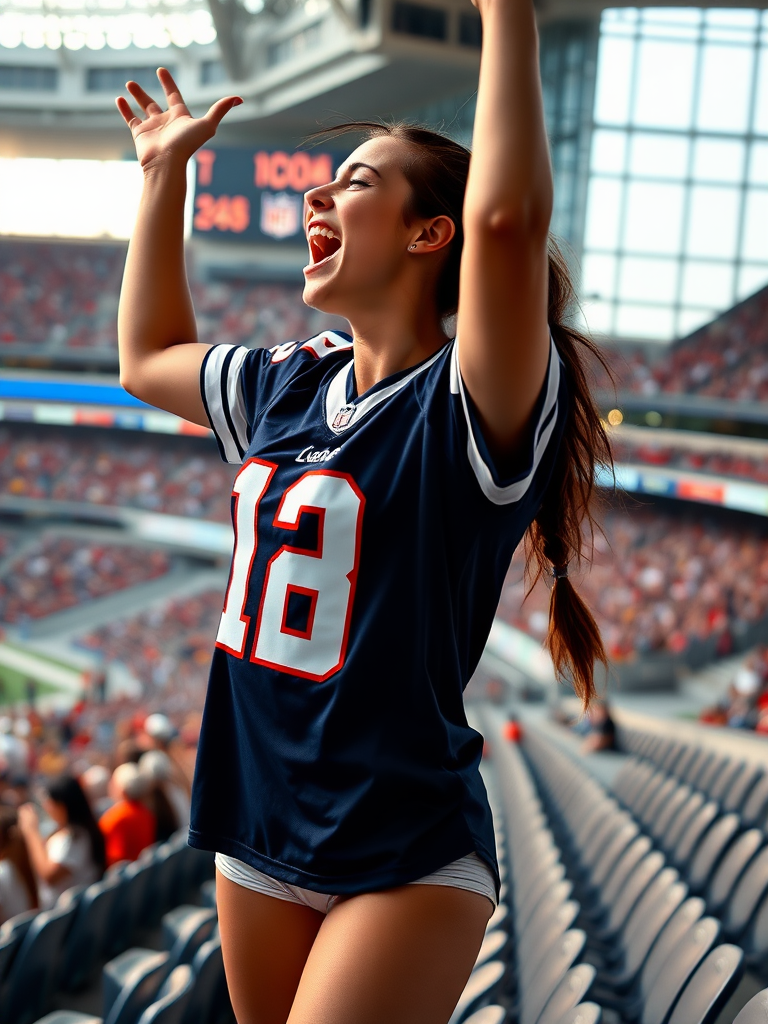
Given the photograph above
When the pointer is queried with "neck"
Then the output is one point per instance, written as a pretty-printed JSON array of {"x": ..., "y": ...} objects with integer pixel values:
[{"x": 387, "y": 340}]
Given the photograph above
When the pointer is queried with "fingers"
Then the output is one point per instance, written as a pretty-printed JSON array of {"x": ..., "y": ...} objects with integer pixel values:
[
  {"x": 145, "y": 101},
  {"x": 128, "y": 115},
  {"x": 170, "y": 88},
  {"x": 220, "y": 108}
]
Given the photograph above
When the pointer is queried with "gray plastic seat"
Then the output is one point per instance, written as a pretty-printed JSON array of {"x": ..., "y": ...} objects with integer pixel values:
[
  {"x": 87, "y": 938},
  {"x": 185, "y": 929},
  {"x": 210, "y": 1002},
  {"x": 756, "y": 1010},
  {"x": 493, "y": 943},
  {"x": 36, "y": 966},
  {"x": 669, "y": 812},
  {"x": 634, "y": 887},
  {"x": 747, "y": 895},
  {"x": 677, "y": 826},
  {"x": 551, "y": 971},
  {"x": 584, "y": 1013},
  {"x": 625, "y": 866},
  {"x": 741, "y": 787},
  {"x": 678, "y": 969},
  {"x": 172, "y": 999},
  {"x": 710, "y": 987},
  {"x": 208, "y": 893},
  {"x": 731, "y": 868},
  {"x": 755, "y": 805},
  {"x": 664, "y": 949},
  {"x": 482, "y": 984},
  {"x": 710, "y": 851},
  {"x": 656, "y": 805},
  {"x": 69, "y": 1017},
  {"x": 492, "y": 1014},
  {"x": 568, "y": 994},
  {"x": 613, "y": 852},
  {"x": 12, "y": 932},
  {"x": 722, "y": 782},
  {"x": 131, "y": 982},
  {"x": 694, "y": 833}
]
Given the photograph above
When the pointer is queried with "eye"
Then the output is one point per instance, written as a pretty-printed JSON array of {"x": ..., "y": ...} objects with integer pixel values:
[{"x": 359, "y": 181}]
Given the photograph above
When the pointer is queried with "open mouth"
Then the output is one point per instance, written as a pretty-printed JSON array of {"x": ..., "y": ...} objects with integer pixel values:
[{"x": 323, "y": 244}]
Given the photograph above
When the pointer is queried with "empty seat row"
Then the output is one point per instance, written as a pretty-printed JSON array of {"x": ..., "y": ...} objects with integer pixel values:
[{"x": 657, "y": 955}]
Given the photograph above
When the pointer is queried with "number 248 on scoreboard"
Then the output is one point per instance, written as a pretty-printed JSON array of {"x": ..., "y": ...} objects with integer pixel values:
[{"x": 226, "y": 213}]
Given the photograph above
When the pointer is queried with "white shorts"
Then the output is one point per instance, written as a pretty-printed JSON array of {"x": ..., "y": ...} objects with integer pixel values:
[{"x": 468, "y": 872}]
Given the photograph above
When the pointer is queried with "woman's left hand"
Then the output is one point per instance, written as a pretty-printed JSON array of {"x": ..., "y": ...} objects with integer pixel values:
[{"x": 28, "y": 820}]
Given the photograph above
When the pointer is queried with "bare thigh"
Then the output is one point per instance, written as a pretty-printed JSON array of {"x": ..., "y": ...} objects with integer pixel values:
[
  {"x": 402, "y": 956},
  {"x": 265, "y": 943}
]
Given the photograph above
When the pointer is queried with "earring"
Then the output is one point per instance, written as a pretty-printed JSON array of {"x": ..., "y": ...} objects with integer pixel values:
[{"x": 412, "y": 246}]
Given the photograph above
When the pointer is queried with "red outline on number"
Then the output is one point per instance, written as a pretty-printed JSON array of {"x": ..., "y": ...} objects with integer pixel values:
[
  {"x": 243, "y": 617},
  {"x": 302, "y": 634},
  {"x": 351, "y": 575}
]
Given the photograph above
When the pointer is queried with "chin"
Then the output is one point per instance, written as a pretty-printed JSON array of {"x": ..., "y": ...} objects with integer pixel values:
[{"x": 318, "y": 295}]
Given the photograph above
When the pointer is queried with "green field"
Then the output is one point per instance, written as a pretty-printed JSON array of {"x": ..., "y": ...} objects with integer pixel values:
[{"x": 12, "y": 686}]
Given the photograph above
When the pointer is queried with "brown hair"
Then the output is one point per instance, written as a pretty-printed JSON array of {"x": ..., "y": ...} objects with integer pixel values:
[
  {"x": 14, "y": 849},
  {"x": 437, "y": 173}
]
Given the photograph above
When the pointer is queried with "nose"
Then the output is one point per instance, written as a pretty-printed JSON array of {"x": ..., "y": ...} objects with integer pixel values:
[{"x": 318, "y": 198}]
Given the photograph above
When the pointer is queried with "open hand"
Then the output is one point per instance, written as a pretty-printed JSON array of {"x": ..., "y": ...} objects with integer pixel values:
[
  {"x": 171, "y": 135},
  {"x": 27, "y": 819}
]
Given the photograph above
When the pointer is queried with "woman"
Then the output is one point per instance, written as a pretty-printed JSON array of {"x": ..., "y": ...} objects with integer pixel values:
[
  {"x": 18, "y": 891},
  {"x": 386, "y": 479},
  {"x": 73, "y": 854}
]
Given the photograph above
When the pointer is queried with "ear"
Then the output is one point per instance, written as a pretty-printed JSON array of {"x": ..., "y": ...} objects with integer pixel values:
[{"x": 435, "y": 235}]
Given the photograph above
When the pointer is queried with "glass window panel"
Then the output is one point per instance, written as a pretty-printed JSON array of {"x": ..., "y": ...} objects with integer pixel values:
[
  {"x": 619, "y": 20},
  {"x": 761, "y": 97},
  {"x": 614, "y": 80},
  {"x": 598, "y": 276},
  {"x": 608, "y": 151},
  {"x": 671, "y": 16},
  {"x": 653, "y": 217},
  {"x": 659, "y": 156},
  {"x": 724, "y": 89},
  {"x": 707, "y": 282},
  {"x": 718, "y": 160},
  {"x": 758, "y": 164},
  {"x": 664, "y": 96},
  {"x": 603, "y": 210},
  {"x": 599, "y": 316},
  {"x": 755, "y": 231},
  {"x": 690, "y": 320},
  {"x": 751, "y": 279},
  {"x": 713, "y": 222},
  {"x": 648, "y": 280},
  {"x": 644, "y": 322},
  {"x": 733, "y": 17}
]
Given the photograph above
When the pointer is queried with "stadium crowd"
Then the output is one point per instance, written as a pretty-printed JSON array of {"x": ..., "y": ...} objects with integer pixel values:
[
  {"x": 660, "y": 582},
  {"x": 64, "y": 295},
  {"x": 172, "y": 475},
  {"x": 726, "y": 359},
  {"x": 718, "y": 463},
  {"x": 55, "y": 572}
]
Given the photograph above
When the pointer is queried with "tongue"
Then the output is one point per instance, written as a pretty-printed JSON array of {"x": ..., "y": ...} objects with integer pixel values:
[{"x": 323, "y": 247}]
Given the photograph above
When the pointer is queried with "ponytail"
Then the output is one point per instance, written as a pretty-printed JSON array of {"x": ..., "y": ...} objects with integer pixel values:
[{"x": 555, "y": 539}]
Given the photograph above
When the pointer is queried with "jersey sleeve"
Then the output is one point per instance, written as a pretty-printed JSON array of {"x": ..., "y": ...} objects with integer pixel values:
[
  {"x": 238, "y": 383},
  {"x": 548, "y": 419}
]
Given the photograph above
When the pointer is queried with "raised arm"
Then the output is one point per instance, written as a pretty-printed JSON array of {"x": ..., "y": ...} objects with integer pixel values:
[
  {"x": 160, "y": 357},
  {"x": 503, "y": 335}
]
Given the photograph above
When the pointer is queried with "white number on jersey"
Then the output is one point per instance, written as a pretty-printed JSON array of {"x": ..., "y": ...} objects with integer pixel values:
[{"x": 325, "y": 578}]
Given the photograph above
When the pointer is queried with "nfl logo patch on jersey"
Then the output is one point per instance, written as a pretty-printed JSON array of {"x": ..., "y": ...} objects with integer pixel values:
[
  {"x": 280, "y": 214},
  {"x": 343, "y": 416}
]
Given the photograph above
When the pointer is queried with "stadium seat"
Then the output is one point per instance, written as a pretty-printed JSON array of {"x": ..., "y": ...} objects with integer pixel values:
[
  {"x": 185, "y": 929},
  {"x": 551, "y": 971},
  {"x": 88, "y": 936},
  {"x": 678, "y": 969},
  {"x": 36, "y": 965},
  {"x": 585, "y": 1013},
  {"x": 172, "y": 999},
  {"x": 210, "y": 1000},
  {"x": 69, "y": 1017},
  {"x": 493, "y": 946},
  {"x": 12, "y": 932},
  {"x": 711, "y": 850},
  {"x": 756, "y": 804},
  {"x": 756, "y": 1010},
  {"x": 746, "y": 897},
  {"x": 131, "y": 982},
  {"x": 693, "y": 834},
  {"x": 710, "y": 987},
  {"x": 568, "y": 994},
  {"x": 488, "y": 1015},
  {"x": 741, "y": 787},
  {"x": 208, "y": 893},
  {"x": 731, "y": 868},
  {"x": 483, "y": 985}
]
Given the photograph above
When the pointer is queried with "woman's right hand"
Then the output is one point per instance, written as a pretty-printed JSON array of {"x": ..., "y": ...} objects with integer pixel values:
[{"x": 169, "y": 136}]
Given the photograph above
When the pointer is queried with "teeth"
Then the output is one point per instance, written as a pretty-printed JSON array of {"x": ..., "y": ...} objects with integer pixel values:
[{"x": 325, "y": 232}]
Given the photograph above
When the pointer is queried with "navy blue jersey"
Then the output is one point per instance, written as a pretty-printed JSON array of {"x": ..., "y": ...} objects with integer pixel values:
[{"x": 372, "y": 538}]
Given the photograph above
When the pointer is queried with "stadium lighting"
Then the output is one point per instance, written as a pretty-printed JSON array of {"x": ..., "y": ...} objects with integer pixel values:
[{"x": 615, "y": 417}]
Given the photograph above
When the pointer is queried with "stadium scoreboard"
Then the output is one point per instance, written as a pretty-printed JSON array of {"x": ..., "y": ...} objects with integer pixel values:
[{"x": 257, "y": 195}]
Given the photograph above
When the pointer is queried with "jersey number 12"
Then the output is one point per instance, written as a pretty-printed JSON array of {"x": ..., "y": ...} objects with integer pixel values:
[{"x": 324, "y": 579}]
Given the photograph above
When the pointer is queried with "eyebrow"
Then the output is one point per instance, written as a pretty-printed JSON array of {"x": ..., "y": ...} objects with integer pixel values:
[{"x": 353, "y": 167}]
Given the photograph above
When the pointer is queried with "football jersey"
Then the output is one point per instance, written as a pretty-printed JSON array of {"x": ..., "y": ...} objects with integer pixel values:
[{"x": 372, "y": 538}]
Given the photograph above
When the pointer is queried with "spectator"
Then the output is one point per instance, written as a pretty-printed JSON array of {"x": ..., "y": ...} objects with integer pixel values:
[
  {"x": 18, "y": 891},
  {"x": 14, "y": 751},
  {"x": 74, "y": 852},
  {"x": 601, "y": 734},
  {"x": 95, "y": 783},
  {"x": 161, "y": 734},
  {"x": 128, "y": 826},
  {"x": 157, "y": 768}
]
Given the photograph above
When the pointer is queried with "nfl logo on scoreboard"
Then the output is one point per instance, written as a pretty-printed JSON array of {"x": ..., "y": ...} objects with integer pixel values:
[
  {"x": 280, "y": 214},
  {"x": 343, "y": 416}
]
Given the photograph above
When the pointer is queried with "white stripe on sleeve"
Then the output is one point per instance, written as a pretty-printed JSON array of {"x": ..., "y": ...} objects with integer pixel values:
[
  {"x": 544, "y": 428},
  {"x": 224, "y": 399}
]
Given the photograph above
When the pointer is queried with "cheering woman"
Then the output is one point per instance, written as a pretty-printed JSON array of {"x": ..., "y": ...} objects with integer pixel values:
[{"x": 385, "y": 479}]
